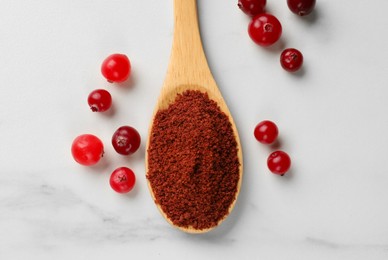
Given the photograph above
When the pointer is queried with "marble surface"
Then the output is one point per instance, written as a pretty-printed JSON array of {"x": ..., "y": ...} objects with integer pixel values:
[{"x": 332, "y": 118}]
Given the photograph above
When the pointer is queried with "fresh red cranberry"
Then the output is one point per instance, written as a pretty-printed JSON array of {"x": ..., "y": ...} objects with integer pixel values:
[
  {"x": 122, "y": 180},
  {"x": 126, "y": 140},
  {"x": 266, "y": 132},
  {"x": 87, "y": 149},
  {"x": 291, "y": 59},
  {"x": 116, "y": 68},
  {"x": 265, "y": 29},
  {"x": 301, "y": 7},
  {"x": 252, "y": 7},
  {"x": 99, "y": 100},
  {"x": 279, "y": 162}
]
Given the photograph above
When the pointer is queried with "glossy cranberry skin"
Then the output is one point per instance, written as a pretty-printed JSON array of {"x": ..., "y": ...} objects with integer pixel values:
[
  {"x": 301, "y": 7},
  {"x": 122, "y": 180},
  {"x": 265, "y": 29},
  {"x": 252, "y": 7},
  {"x": 87, "y": 149},
  {"x": 279, "y": 162},
  {"x": 99, "y": 100},
  {"x": 266, "y": 132},
  {"x": 116, "y": 68},
  {"x": 291, "y": 59},
  {"x": 126, "y": 140}
]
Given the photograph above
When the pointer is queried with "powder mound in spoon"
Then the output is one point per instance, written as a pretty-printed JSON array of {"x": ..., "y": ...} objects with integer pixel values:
[{"x": 193, "y": 166}]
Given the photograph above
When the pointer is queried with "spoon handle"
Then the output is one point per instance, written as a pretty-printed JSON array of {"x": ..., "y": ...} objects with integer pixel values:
[{"x": 188, "y": 65}]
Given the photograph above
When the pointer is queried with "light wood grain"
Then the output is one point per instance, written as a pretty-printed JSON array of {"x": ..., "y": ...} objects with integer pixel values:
[{"x": 188, "y": 70}]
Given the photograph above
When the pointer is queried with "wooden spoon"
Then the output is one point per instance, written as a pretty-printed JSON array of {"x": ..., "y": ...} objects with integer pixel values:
[{"x": 188, "y": 70}]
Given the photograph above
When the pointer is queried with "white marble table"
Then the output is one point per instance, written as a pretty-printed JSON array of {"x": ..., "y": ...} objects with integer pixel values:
[{"x": 332, "y": 118}]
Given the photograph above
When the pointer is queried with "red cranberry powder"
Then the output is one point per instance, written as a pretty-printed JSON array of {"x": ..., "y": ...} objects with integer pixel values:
[{"x": 193, "y": 167}]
